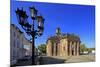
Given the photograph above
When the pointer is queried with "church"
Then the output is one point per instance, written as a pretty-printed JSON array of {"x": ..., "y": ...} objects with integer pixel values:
[{"x": 63, "y": 44}]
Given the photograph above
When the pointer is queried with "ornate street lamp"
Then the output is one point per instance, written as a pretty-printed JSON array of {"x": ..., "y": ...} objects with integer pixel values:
[{"x": 29, "y": 28}]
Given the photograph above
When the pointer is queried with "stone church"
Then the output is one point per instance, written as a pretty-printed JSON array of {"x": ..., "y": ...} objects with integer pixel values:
[{"x": 63, "y": 44}]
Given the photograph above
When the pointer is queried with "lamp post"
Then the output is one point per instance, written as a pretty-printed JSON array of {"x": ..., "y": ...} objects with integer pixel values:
[{"x": 29, "y": 28}]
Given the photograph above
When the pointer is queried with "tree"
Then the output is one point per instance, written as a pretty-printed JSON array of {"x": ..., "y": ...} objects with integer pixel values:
[
  {"x": 90, "y": 49},
  {"x": 42, "y": 48},
  {"x": 83, "y": 48}
]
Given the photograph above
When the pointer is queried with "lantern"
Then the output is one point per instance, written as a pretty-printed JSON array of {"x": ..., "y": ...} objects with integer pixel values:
[
  {"x": 33, "y": 12},
  {"x": 21, "y": 16},
  {"x": 40, "y": 22}
]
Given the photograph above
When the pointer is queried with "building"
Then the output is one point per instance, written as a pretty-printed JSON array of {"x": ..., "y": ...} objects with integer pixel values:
[
  {"x": 16, "y": 44},
  {"x": 27, "y": 46},
  {"x": 63, "y": 44},
  {"x": 91, "y": 51}
]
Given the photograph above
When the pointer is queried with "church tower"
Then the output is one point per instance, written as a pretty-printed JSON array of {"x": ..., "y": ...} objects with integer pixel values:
[{"x": 58, "y": 31}]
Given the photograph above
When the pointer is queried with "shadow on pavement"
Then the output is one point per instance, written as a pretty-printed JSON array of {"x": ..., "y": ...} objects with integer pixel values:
[{"x": 50, "y": 60}]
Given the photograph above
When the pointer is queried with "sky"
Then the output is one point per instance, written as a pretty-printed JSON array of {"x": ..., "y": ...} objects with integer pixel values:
[{"x": 71, "y": 18}]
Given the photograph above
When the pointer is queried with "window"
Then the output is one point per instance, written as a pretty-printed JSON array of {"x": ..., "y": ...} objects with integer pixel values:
[
  {"x": 14, "y": 43},
  {"x": 14, "y": 34},
  {"x": 17, "y": 36}
]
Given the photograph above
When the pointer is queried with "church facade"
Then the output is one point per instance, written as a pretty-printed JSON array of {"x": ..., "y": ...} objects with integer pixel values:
[{"x": 63, "y": 44}]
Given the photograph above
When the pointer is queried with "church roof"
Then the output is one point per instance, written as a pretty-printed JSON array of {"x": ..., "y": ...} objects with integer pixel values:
[
  {"x": 70, "y": 37},
  {"x": 54, "y": 38}
]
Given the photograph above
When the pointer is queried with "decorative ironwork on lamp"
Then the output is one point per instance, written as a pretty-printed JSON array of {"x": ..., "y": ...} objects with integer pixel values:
[{"x": 29, "y": 28}]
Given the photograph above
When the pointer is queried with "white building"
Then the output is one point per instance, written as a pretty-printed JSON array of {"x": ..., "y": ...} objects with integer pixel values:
[
  {"x": 93, "y": 51},
  {"x": 16, "y": 44},
  {"x": 27, "y": 46},
  {"x": 19, "y": 45}
]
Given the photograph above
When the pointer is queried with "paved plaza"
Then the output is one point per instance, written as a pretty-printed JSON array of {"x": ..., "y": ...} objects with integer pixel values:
[
  {"x": 68, "y": 59},
  {"x": 81, "y": 58},
  {"x": 58, "y": 60}
]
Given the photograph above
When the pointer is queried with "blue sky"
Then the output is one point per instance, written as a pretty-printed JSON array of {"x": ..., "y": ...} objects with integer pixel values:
[{"x": 78, "y": 19}]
